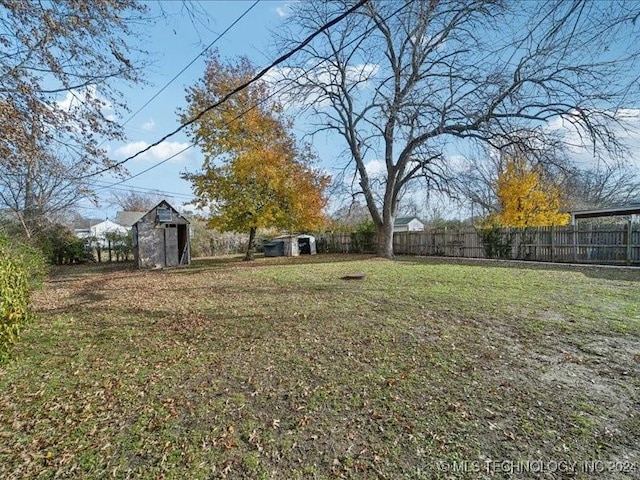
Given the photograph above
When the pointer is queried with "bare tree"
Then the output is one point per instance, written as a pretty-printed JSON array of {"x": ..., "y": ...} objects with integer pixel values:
[
  {"x": 40, "y": 190},
  {"x": 476, "y": 176},
  {"x": 352, "y": 214},
  {"x": 583, "y": 185},
  {"x": 61, "y": 68},
  {"x": 476, "y": 183},
  {"x": 603, "y": 185},
  {"x": 403, "y": 82},
  {"x": 136, "y": 201}
]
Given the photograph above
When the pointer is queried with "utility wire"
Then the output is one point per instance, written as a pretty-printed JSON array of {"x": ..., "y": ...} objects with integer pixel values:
[
  {"x": 139, "y": 189},
  {"x": 236, "y": 90},
  {"x": 151, "y": 167},
  {"x": 226, "y": 30}
]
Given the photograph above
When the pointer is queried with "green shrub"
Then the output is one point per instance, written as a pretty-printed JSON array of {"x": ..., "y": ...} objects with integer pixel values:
[
  {"x": 14, "y": 297},
  {"x": 33, "y": 262},
  {"x": 120, "y": 245},
  {"x": 366, "y": 227},
  {"x": 497, "y": 241},
  {"x": 363, "y": 242},
  {"x": 60, "y": 245}
]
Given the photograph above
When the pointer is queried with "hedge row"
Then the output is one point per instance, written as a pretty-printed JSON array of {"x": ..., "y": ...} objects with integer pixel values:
[{"x": 21, "y": 268}]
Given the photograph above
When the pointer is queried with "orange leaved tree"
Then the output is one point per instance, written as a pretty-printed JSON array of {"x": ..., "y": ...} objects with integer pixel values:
[
  {"x": 526, "y": 199},
  {"x": 254, "y": 173}
]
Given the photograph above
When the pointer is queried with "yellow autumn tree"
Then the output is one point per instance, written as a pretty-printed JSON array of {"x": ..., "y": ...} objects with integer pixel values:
[
  {"x": 526, "y": 199},
  {"x": 254, "y": 174}
]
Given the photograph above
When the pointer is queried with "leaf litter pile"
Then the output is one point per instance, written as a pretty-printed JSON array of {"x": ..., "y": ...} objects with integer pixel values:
[{"x": 280, "y": 369}]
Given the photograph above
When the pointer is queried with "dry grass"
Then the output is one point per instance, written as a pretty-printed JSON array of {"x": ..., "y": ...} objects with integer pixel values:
[{"x": 280, "y": 369}]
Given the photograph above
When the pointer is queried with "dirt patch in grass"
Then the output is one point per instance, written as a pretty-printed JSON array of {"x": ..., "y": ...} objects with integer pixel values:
[{"x": 279, "y": 369}]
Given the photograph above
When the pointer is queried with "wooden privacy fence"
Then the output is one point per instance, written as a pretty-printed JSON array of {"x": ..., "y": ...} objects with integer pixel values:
[
  {"x": 346, "y": 243},
  {"x": 616, "y": 244}
]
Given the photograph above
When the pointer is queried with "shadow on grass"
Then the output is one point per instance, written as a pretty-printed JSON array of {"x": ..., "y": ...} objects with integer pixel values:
[
  {"x": 69, "y": 273},
  {"x": 605, "y": 272},
  {"x": 66, "y": 273},
  {"x": 217, "y": 263}
]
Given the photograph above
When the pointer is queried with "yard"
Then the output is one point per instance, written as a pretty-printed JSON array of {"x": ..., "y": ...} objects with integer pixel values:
[{"x": 281, "y": 369}]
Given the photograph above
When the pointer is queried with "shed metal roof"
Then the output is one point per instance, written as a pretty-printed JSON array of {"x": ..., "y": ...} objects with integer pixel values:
[
  {"x": 405, "y": 220},
  {"x": 632, "y": 209},
  {"x": 128, "y": 218}
]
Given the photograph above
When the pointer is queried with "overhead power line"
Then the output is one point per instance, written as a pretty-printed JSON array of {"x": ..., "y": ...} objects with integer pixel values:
[
  {"x": 155, "y": 165},
  {"x": 139, "y": 189},
  {"x": 236, "y": 90},
  {"x": 173, "y": 79}
]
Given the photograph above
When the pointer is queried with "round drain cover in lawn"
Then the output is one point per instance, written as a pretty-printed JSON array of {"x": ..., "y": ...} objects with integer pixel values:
[{"x": 354, "y": 276}]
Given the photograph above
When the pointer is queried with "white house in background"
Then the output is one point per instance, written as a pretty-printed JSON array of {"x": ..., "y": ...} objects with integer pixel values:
[
  {"x": 408, "y": 224},
  {"x": 100, "y": 230}
]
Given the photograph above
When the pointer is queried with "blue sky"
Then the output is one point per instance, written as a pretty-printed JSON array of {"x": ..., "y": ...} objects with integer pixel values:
[{"x": 173, "y": 42}]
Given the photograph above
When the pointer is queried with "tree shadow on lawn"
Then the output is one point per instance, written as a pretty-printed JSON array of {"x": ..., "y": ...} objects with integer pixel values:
[
  {"x": 65, "y": 273},
  {"x": 605, "y": 272},
  {"x": 71, "y": 273},
  {"x": 218, "y": 263}
]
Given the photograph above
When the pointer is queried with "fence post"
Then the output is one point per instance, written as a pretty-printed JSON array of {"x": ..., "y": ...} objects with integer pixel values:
[
  {"x": 553, "y": 243},
  {"x": 575, "y": 242},
  {"x": 629, "y": 238},
  {"x": 444, "y": 242}
]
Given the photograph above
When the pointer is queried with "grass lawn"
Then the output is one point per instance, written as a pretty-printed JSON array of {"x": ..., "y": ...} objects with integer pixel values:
[{"x": 281, "y": 369}]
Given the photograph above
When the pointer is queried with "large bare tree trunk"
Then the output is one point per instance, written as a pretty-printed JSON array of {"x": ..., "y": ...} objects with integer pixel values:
[
  {"x": 251, "y": 245},
  {"x": 384, "y": 246}
]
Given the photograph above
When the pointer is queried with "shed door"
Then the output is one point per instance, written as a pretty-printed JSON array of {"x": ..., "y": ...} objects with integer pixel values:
[
  {"x": 183, "y": 245},
  {"x": 304, "y": 245},
  {"x": 171, "y": 255}
]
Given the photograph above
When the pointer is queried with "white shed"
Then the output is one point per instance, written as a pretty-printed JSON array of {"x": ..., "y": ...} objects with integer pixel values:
[{"x": 291, "y": 246}]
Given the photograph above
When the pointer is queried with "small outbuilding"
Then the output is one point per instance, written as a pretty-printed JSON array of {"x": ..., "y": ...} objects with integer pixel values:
[
  {"x": 161, "y": 238},
  {"x": 632, "y": 211},
  {"x": 291, "y": 246}
]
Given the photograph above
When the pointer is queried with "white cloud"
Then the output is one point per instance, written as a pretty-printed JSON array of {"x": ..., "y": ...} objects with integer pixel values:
[
  {"x": 148, "y": 126},
  {"x": 284, "y": 10},
  {"x": 455, "y": 162},
  {"x": 376, "y": 168},
  {"x": 158, "y": 153},
  {"x": 75, "y": 98},
  {"x": 627, "y": 132},
  {"x": 67, "y": 102}
]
